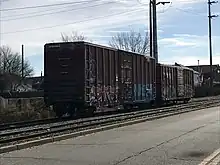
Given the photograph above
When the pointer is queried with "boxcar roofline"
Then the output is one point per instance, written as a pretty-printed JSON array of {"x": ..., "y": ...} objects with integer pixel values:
[
  {"x": 168, "y": 65},
  {"x": 100, "y": 46},
  {"x": 137, "y": 54},
  {"x": 82, "y": 42},
  {"x": 174, "y": 66}
]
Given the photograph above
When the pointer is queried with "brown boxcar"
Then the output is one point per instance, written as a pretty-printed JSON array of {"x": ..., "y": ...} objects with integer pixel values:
[
  {"x": 137, "y": 79},
  {"x": 188, "y": 78},
  {"x": 80, "y": 75},
  {"x": 173, "y": 83}
]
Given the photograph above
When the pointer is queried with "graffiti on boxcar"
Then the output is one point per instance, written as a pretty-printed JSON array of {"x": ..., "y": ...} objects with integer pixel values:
[
  {"x": 106, "y": 96},
  {"x": 90, "y": 77},
  {"x": 143, "y": 92},
  {"x": 149, "y": 92}
]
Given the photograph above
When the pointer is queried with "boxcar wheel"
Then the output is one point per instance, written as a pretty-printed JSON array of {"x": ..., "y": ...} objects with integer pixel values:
[
  {"x": 58, "y": 110},
  {"x": 128, "y": 107},
  {"x": 186, "y": 101},
  {"x": 91, "y": 111},
  {"x": 71, "y": 111}
]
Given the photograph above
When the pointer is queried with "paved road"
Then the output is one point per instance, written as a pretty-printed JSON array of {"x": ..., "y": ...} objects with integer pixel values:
[{"x": 185, "y": 139}]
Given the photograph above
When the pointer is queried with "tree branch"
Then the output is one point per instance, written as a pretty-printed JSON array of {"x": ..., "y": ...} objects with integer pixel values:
[{"x": 131, "y": 41}]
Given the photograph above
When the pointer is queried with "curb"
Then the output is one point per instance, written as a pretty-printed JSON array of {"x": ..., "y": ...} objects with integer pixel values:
[
  {"x": 84, "y": 132},
  {"x": 211, "y": 160}
]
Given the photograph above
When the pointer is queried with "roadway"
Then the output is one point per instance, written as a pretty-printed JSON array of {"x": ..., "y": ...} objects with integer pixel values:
[{"x": 185, "y": 139}]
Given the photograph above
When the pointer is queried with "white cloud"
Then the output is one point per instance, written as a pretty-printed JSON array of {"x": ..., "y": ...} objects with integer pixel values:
[
  {"x": 192, "y": 60},
  {"x": 81, "y": 19},
  {"x": 118, "y": 31},
  {"x": 187, "y": 49},
  {"x": 158, "y": 31},
  {"x": 170, "y": 42},
  {"x": 97, "y": 22},
  {"x": 187, "y": 40}
]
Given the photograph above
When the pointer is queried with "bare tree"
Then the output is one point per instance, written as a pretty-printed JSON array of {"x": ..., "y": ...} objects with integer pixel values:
[
  {"x": 10, "y": 67},
  {"x": 74, "y": 36},
  {"x": 11, "y": 62},
  {"x": 131, "y": 41}
]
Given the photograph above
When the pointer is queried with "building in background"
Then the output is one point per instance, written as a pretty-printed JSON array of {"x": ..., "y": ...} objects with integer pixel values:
[
  {"x": 35, "y": 82},
  {"x": 205, "y": 72}
]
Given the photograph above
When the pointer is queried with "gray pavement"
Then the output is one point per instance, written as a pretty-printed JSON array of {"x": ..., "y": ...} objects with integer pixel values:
[{"x": 184, "y": 139}]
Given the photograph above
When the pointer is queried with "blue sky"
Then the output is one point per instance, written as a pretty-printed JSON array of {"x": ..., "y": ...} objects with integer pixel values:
[{"x": 182, "y": 27}]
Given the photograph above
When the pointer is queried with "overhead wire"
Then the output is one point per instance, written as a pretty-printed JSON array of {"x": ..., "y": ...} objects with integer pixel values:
[
  {"x": 44, "y": 6},
  {"x": 46, "y": 27},
  {"x": 144, "y": 4},
  {"x": 37, "y": 12},
  {"x": 188, "y": 11},
  {"x": 139, "y": 1},
  {"x": 71, "y": 23},
  {"x": 62, "y": 11},
  {"x": 179, "y": 9}
]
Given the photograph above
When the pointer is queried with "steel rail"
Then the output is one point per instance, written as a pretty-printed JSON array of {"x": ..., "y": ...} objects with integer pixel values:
[
  {"x": 51, "y": 130},
  {"x": 17, "y": 125}
]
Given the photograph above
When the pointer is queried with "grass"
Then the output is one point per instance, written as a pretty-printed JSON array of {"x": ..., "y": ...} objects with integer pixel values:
[{"x": 24, "y": 109}]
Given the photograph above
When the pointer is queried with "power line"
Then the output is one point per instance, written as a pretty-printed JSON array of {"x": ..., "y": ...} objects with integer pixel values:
[
  {"x": 37, "y": 12},
  {"x": 72, "y": 23},
  {"x": 43, "y": 6},
  {"x": 188, "y": 11},
  {"x": 63, "y": 7},
  {"x": 62, "y": 11}
]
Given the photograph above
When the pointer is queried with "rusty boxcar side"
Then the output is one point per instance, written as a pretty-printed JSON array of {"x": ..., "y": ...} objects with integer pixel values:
[
  {"x": 188, "y": 77},
  {"x": 101, "y": 80},
  {"x": 174, "y": 83},
  {"x": 81, "y": 75},
  {"x": 186, "y": 89},
  {"x": 137, "y": 83},
  {"x": 166, "y": 83}
]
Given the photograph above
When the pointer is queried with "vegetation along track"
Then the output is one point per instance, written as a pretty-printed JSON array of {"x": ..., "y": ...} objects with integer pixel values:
[
  {"x": 16, "y": 136},
  {"x": 17, "y": 125}
]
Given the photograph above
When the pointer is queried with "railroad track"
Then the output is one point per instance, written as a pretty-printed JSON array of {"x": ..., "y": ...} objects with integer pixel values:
[
  {"x": 17, "y": 125},
  {"x": 15, "y": 136}
]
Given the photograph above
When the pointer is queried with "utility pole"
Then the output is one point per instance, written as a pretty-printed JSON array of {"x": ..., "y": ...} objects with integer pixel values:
[
  {"x": 22, "y": 62},
  {"x": 210, "y": 16},
  {"x": 155, "y": 49},
  {"x": 41, "y": 75},
  {"x": 1, "y": 69},
  {"x": 150, "y": 28},
  {"x": 153, "y": 28}
]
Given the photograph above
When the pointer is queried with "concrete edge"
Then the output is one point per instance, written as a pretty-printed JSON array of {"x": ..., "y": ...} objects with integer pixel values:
[
  {"x": 8, "y": 148},
  {"x": 84, "y": 132},
  {"x": 211, "y": 159},
  {"x": 33, "y": 143}
]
